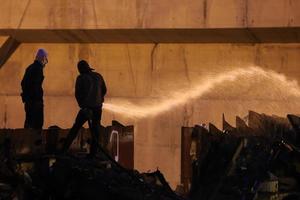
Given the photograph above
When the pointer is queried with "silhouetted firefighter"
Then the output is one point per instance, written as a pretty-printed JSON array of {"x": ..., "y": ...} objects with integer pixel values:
[
  {"x": 90, "y": 90},
  {"x": 32, "y": 91}
]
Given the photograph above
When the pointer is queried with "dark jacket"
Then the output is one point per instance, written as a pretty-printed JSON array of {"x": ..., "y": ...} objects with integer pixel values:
[
  {"x": 32, "y": 81},
  {"x": 90, "y": 90}
]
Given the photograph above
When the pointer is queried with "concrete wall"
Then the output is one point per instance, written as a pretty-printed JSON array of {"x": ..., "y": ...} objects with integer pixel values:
[
  {"x": 160, "y": 88},
  {"x": 109, "y": 14}
]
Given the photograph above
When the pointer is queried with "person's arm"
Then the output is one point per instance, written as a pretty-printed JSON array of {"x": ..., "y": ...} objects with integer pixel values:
[
  {"x": 24, "y": 86},
  {"x": 104, "y": 89},
  {"x": 35, "y": 84}
]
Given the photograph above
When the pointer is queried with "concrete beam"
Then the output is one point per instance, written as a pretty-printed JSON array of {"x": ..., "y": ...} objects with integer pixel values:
[
  {"x": 224, "y": 35},
  {"x": 7, "y": 49},
  {"x": 3, "y": 39}
]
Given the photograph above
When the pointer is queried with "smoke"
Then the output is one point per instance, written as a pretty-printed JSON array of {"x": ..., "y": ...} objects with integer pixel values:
[{"x": 252, "y": 82}]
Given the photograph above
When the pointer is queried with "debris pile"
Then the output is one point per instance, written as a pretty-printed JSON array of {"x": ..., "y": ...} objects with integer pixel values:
[
  {"x": 78, "y": 177},
  {"x": 257, "y": 159},
  {"x": 35, "y": 174}
]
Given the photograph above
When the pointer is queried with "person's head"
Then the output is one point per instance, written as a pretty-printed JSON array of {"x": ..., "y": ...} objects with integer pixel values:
[
  {"x": 83, "y": 67},
  {"x": 42, "y": 56}
]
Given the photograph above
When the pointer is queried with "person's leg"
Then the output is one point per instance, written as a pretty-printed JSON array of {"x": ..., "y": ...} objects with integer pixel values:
[
  {"x": 38, "y": 115},
  {"x": 28, "y": 115},
  {"x": 80, "y": 120},
  {"x": 95, "y": 129}
]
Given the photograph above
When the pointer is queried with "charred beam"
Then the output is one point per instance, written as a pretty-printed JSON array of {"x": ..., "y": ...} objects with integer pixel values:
[
  {"x": 7, "y": 49},
  {"x": 167, "y": 35},
  {"x": 226, "y": 125}
]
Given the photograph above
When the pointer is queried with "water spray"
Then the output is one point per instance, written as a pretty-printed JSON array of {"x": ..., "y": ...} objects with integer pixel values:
[{"x": 185, "y": 95}]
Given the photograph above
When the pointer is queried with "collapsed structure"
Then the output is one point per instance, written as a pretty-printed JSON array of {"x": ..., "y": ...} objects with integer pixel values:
[
  {"x": 34, "y": 170},
  {"x": 257, "y": 159}
]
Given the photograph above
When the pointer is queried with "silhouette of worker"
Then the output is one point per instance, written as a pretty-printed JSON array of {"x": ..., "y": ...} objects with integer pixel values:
[
  {"x": 90, "y": 90},
  {"x": 32, "y": 91}
]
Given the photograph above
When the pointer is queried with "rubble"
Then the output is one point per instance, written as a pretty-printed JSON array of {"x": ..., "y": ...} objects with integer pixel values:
[
  {"x": 35, "y": 171},
  {"x": 255, "y": 160},
  {"x": 78, "y": 177}
]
